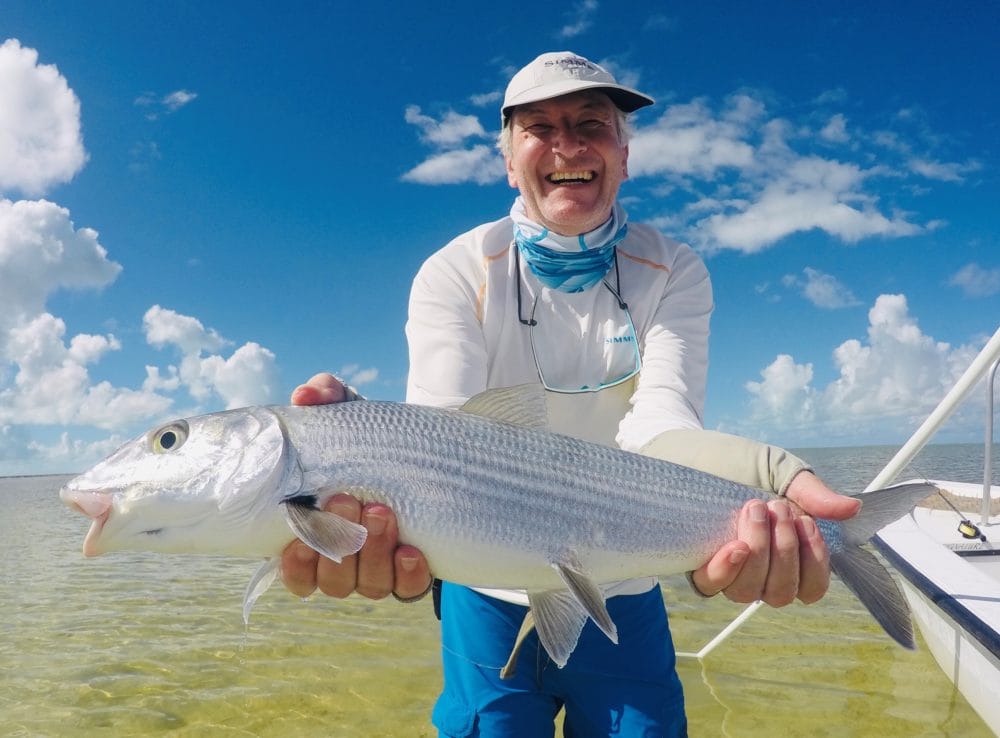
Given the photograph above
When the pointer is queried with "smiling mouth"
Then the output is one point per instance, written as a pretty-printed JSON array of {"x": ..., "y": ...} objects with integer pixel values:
[{"x": 570, "y": 177}]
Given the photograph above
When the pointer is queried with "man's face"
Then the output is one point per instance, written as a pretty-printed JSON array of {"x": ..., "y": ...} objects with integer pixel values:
[{"x": 567, "y": 160}]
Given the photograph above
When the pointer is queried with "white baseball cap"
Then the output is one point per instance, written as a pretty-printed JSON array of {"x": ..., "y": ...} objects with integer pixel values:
[{"x": 562, "y": 72}]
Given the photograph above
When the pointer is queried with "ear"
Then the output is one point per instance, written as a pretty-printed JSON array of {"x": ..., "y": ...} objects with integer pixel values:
[
  {"x": 511, "y": 176},
  {"x": 625, "y": 165}
]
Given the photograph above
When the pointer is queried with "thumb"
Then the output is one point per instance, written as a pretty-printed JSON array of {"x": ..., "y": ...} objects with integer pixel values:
[{"x": 811, "y": 494}]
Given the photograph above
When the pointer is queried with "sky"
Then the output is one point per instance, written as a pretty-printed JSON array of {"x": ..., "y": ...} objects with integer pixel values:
[{"x": 203, "y": 204}]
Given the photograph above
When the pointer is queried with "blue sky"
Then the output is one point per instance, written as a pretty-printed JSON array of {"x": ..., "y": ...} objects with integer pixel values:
[{"x": 202, "y": 204}]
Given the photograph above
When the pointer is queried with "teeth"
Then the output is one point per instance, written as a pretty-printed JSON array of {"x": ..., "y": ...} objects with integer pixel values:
[{"x": 571, "y": 176}]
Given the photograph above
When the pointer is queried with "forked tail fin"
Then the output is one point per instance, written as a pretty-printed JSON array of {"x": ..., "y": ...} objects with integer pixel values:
[{"x": 864, "y": 574}]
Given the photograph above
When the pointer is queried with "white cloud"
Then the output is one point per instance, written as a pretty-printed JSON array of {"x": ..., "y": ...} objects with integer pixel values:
[
  {"x": 822, "y": 290},
  {"x": 944, "y": 171},
  {"x": 452, "y": 130},
  {"x": 975, "y": 281},
  {"x": 581, "y": 18},
  {"x": 786, "y": 391},
  {"x": 247, "y": 377},
  {"x": 165, "y": 327},
  {"x": 689, "y": 140},
  {"x": 40, "y": 140},
  {"x": 355, "y": 376},
  {"x": 52, "y": 385},
  {"x": 835, "y": 130},
  {"x": 480, "y": 164},
  {"x": 178, "y": 99},
  {"x": 156, "y": 105},
  {"x": 811, "y": 193},
  {"x": 485, "y": 99},
  {"x": 886, "y": 384},
  {"x": 41, "y": 251}
]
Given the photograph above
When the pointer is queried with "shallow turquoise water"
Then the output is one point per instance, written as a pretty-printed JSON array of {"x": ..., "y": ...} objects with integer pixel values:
[{"x": 143, "y": 645}]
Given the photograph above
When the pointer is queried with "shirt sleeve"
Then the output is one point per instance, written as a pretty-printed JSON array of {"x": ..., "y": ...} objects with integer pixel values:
[
  {"x": 447, "y": 349},
  {"x": 671, "y": 389}
]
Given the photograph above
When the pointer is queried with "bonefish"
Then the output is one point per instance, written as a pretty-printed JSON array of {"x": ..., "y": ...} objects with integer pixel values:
[{"x": 487, "y": 493}]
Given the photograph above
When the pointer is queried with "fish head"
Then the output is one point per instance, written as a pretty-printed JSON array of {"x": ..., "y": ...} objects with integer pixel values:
[{"x": 186, "y": 486}]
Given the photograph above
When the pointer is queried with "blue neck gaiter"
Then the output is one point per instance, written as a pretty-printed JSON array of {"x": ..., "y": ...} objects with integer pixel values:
[{"x": 568, "y": 263}]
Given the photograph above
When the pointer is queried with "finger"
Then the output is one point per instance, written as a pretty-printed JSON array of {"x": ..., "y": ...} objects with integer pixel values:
[
  {"x": 333, "y": 579},
  {"x": 298, "y": 568},
  {"x": 814, "y": 561},
  {"x": 721, "y": 570},
  {"x": 753, "y": 528},
  {"x": 811, "y": 494},
  {"x": 783, "y": 570},
  {"x": 413, "y": 575},
  {"x": 376, "y": 560},
  {"x": 321, "y": 389}
]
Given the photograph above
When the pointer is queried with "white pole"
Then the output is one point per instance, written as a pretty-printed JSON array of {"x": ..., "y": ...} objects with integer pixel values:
[{"x": 965, "y": 384}]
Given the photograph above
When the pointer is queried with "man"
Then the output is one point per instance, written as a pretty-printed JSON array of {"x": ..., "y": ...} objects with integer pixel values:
[{"x": 613, "y": 319}]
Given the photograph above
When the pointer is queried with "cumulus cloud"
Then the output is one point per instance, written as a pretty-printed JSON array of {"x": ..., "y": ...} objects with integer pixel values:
[
  {"x": 155, "y": 105},
  {"x": 52, "y": 384},
  {"x": 975, "y": 281},
  {"x": 580, "y": 19},
  {"x": 451, "y": 130},
  {"x": 943, "y": 170},
  {"x": 454, "y": 160},
  {"x": 480, "y": 164},
  {"x": 40, "y": 140},
  {"x": 822, "y": 290},
  {"x": 733, "y": 175},
  {"x": 835, "y": 130},
  {"x": 888, "y": 381},
  {"x": 812, "y": 193},
  {"x": 247, "y": 377},
  {"x": 356, "y": 376},
  {"x": 689, "y": 140},
  {"x": 41, "y": 251}
]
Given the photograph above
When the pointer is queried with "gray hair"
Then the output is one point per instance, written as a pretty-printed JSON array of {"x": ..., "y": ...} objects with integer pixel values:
[{"x": 505, "y": 145}]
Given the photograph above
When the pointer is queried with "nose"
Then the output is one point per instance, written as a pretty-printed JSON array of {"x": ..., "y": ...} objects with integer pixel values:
[{"x": 568, "y": 142}]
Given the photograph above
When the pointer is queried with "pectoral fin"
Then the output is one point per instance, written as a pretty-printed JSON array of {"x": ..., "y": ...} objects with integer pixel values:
[
  {"x": 262, "y": 579},
  {"x": 331, "y": 535}
]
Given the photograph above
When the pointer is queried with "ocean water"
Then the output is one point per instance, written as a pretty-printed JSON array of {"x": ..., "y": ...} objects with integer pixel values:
[{"x": 138, "y": 645}]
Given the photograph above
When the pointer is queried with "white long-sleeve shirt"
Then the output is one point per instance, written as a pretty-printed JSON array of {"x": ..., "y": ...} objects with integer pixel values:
[{"x": 465, "y": 337}]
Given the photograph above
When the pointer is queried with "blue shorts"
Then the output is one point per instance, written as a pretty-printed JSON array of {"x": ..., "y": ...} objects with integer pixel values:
[{"x": 631, "y": 689}]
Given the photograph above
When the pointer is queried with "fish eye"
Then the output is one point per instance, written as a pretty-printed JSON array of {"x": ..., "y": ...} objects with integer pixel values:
[{"x": 169, "y": 437}]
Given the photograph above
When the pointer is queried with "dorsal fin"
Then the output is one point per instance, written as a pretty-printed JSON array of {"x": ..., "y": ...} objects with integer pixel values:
[{"x": 523, "y": 404}]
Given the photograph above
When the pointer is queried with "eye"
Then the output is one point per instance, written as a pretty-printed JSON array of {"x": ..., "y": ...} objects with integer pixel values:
[{"x": 169, "y": 437}]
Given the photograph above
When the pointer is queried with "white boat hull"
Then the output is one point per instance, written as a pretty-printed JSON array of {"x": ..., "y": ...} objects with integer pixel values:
[{"x": 955, "y": 601}]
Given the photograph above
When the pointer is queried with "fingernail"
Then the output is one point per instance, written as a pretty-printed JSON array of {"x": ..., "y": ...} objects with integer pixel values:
[
  {"x": 303, "y": 553},
  {"x": 375, "y": 523},
  {"x": 780, "y": 510},
  {"x": 809, "y": 527},
  {"x": 738, "y": 557},
  {"x": 758, "y": 512},
  {"x": 343, "y": 509},
  {"x": 408, "y": 563}
]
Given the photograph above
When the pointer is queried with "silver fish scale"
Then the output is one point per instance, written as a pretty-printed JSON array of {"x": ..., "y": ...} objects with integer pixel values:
[{"x": 518, "y": 487}]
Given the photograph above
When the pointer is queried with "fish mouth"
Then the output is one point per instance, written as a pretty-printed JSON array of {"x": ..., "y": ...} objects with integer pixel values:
[{"x": 96, "y": 506}]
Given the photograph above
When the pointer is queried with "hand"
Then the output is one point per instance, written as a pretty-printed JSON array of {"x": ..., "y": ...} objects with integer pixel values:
[
  {"x": 382, "y": 566},
  {"x": 779, "y": 554}
]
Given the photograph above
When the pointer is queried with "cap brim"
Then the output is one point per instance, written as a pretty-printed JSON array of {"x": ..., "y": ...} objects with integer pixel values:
[{"x": 625, "y": 98}]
